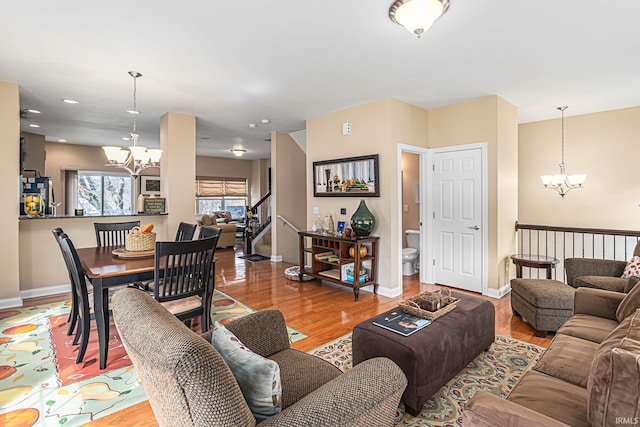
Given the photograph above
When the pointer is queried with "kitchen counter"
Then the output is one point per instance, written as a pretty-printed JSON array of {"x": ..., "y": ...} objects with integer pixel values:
[{"x": 66, "y": 216}]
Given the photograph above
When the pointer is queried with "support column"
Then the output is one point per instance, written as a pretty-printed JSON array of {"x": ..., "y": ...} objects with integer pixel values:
[
  {"x": 9, "y": 194},
  {"x": 178, "y": 168}
]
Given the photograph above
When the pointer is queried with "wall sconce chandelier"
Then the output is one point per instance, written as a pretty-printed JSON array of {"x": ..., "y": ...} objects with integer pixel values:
[
  {"x": 562, "y": 182},
  {"x": 417, "y": 16},
  {"x": 238, "y": 152},
  {"x": 137, "y": 158}
]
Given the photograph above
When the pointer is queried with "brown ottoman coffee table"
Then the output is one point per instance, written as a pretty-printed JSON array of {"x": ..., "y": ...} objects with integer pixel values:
[{"x": 431, "y": 356}]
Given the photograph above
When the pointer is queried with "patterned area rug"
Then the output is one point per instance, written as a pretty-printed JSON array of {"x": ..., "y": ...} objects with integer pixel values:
[
  {"x": 41, "y": 385},
  {"x": 495, "y": 371}
]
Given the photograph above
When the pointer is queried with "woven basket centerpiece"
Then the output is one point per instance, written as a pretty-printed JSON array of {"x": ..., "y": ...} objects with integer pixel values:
[
  {"x": 137, "y": 240},
  {"x": 430, "y": 305}
]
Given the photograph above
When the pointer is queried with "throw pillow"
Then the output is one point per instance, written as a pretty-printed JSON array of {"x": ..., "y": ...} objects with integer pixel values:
[
  {"x": 632, "y": 268},
  {"x": 227, "y": 218},
  {"x": 629, "y": 304},
  {"x": 258, "y": 377}
]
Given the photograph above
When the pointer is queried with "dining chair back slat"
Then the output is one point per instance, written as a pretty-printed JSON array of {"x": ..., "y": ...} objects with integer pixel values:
[
  {"x": 113, "y": 233},
  {"x": 186, "y": 269},
  {"x": 185, "y": 231},
  {"x": 209, "y": 231}
]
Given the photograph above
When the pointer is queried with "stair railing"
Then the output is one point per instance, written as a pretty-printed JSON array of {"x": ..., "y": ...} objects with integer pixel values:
[{"x": 573, "y": 242}]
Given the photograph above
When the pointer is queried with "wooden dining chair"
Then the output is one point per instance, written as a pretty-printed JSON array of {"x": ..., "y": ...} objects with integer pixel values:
[
  {"x": 78, "y": 281},
  {"x": 185, "y": 231},
  {"x": 184, "y": 276},
  {"x": 113, "y": 233},
  {"x": 72, "y": 320},
  {"x": 209, "y": 231}
]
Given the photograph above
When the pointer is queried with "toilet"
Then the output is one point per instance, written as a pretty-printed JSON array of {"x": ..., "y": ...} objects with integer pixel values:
[{"x": 410, "y": 253}]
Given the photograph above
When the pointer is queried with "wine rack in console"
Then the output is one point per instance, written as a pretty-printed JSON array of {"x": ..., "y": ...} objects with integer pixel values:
[{"x": 348, "y": 261}]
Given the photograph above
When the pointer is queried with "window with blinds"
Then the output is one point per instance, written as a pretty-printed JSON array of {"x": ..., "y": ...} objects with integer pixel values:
[
  {"x": 221, "y": 194},
  {"x": 220, "y": 187}
]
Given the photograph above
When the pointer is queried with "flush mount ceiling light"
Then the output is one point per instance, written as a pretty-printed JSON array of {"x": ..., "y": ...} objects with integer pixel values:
[
  {"x": 70, "y": 101},
  {"x": 417, "y": 16},
  {"x": 562, "y": 182},
  {"x": 238, "y": 152},
  {"x": 137, "y": 158}
]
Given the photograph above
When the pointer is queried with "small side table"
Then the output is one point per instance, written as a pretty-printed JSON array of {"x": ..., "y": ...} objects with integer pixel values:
[{"x": 534, "y": 261}]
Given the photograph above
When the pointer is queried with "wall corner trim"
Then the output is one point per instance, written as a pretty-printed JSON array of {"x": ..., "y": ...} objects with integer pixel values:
[{"x": 497, "y": 293}]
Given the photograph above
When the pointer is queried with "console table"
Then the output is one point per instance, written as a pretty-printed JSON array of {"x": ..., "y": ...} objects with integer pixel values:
[{"x": 328, "y": 257}]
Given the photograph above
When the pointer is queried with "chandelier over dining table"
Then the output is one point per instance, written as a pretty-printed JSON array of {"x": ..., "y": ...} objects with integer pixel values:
[{"x": 137, "y": 158}]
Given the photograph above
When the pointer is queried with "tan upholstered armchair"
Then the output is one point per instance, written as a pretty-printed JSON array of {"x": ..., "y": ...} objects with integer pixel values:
[
  {"x": 599, "y": 273},
  {"x": 189, "y": 384}
]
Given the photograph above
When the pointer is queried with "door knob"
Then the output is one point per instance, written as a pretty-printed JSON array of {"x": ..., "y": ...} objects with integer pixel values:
[{"x": 475, "y": 227}]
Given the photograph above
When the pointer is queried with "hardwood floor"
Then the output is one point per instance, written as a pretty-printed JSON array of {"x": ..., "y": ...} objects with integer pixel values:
[{"x": 321, "y": 311}]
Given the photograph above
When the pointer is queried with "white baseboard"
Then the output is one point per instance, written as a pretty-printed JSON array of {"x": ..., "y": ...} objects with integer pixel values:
[
  {"x": 45, "y": 292},
  {"x": 10, "y": 302},
  {"x": 34, "y": 293},
  {"x": 498, "y": 293},
  {"x": 387, "y": 292},
  {"x": 276, "y": 258}
]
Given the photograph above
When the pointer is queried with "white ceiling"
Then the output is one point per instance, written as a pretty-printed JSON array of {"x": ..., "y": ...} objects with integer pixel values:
[{"x": 236, "y": 62}]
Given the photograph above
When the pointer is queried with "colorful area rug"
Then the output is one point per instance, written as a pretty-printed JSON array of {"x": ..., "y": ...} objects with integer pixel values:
[
  {"x": 41, "y": 385},
  {"x": 495, "y": 371}
]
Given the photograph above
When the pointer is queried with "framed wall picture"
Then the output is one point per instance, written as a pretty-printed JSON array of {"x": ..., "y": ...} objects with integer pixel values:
[
  {"x": 348, "y": 177},
  {"x": 150, "y": 185}
]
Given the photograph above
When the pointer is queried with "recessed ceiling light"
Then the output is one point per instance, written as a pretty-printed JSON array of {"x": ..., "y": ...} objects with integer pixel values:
[
  {"x": 70, "y": 101},
  {"x": 133, "y": 112},
  {"x": 265, "y": 121},
  {"x": 253, "y": 125},
  {"x": 62, "y": 140},
  {"x": 33, "y": 111},
  {"x": 34, "y": 126}
]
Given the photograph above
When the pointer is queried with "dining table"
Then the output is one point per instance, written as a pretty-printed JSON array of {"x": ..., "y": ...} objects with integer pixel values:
[{"x": 106, "y": 270}]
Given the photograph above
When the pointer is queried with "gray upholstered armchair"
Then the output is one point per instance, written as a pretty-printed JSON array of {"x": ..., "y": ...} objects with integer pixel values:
[
  {"x": 599, "y": 273},
  {"x": 189, "y": 384}
]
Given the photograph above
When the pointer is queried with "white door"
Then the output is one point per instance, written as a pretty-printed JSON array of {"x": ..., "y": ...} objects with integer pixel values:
[{"x": 457, "y": 218}]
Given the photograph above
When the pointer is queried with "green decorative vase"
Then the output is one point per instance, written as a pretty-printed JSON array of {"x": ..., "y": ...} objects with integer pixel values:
[{"x": 362, "y": 221}]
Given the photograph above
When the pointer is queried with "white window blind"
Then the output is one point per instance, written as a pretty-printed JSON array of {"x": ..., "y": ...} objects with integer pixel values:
[{"x": 220, "y": 187}]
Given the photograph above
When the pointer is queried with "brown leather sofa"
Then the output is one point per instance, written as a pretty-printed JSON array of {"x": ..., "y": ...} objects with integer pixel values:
[
  {"x": 227, "y": 238},
  {"x": 589, "y": 375}
]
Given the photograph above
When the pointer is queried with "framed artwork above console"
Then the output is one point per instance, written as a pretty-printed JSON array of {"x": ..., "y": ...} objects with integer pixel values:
[{"x": 348, "y": 177}]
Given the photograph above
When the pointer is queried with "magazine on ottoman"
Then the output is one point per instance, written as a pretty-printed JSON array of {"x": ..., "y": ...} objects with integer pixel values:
[{"x": 400, "y": 322}]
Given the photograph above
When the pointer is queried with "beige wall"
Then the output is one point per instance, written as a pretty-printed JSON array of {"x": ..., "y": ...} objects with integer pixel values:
[
  {"x": 602, "y": 145},
  {"x": 178, "y": 166},
  {"x": 376, "y": 128},
  {"x": 9, "y": 192},
  {"x": 289, "y": 195},
  {"x": 410, "y": 209},
  {"x": 224, "y": 168},
  {"x": 34, "y": 152},
  {"x": 41, "y": 263},
  {"x": 494, "y": 121}
]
